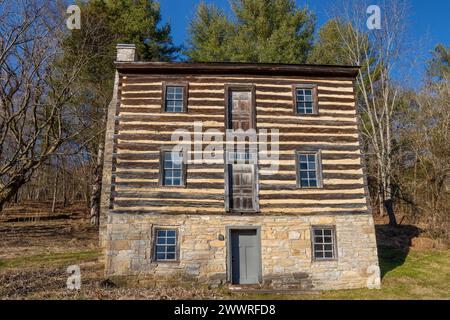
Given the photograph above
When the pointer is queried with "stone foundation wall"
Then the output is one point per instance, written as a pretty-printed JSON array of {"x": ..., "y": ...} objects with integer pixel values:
[{"x": 285, "y": 248}]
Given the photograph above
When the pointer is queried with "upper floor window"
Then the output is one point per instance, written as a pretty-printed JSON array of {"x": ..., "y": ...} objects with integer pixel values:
[
  {"x": 175, "y": 98},
  {"x": 173, "y": 171},
  {"x": 324, "y": 243},
  {"x": 306, "y": 101},
  {"x": 165, "y": 244},
  {"x": 309, "y": 170}
]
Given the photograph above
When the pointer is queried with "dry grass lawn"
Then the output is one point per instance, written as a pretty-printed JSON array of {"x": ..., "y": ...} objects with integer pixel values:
[{"x": 36, "y": 248}]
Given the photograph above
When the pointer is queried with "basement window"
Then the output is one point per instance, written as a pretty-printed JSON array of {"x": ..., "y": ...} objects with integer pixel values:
[
  {"x": 306, "y": 100},
  {"x": 165, "y": 245},
  {"x": 324, "y": 243},
  {"x": 175, "y": 98}
]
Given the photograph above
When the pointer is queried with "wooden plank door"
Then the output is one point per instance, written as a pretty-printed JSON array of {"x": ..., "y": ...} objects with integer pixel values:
[
  {"x": 245, "y": 261},
  {"x": 241, "y": 113},
  {"x": 243, "y": 193}
]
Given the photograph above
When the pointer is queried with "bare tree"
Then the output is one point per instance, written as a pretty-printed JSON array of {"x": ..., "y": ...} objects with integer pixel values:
[
  {"x": 425, "y": 148},
  {"x": 379, "y": 52},
  {"x": 35, "y": 90}
]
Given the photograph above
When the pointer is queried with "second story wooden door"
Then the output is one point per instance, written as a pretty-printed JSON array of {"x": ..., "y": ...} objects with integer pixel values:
[
  {"x": 241, "y": 177},
  {"x": 243, "y": 187},
  {"x": 240, "y": 115}
]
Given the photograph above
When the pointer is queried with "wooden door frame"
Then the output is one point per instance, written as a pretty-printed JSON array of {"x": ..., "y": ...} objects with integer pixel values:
[
  {"x": 242, "y": 88},
  {"x": 229, "y": 87},
  {"x": 228, "y": 230}
]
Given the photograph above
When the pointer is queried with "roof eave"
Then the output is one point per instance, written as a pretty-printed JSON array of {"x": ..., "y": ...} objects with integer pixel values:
[{"x": 237, "y": 68}]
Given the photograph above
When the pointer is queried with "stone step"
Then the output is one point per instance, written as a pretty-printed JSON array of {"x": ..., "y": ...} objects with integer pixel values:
[{"x": 256, "y": 289}]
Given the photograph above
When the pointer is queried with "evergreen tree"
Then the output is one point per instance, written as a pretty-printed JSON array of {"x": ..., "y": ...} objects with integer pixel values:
[
  {"x": 438, "y": 67},
  {"x": 329, "y": 48},
  {"x": 139, "y": 22},
  {"x": 104, "y": 24},
  {"x": 210, "y": 32},
  {"x": 274, "y": 31}
]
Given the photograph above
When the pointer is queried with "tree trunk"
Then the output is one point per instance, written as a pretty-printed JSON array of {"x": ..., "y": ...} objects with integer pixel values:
[
  {"x": 380, "y": 201},
  {"x": 380, "y": 190},
  {"x": 64, "y": 192},
  {"x": 16, "y": 198},
  {"x": 87, "y": 192},
  {"x": 8, "y": 191},
  {"x": 96, "y": 188},
  {"x": 55, "y": 191},
  {"x": 388, "y": 204},
  {"x": 73, "y": 191}
]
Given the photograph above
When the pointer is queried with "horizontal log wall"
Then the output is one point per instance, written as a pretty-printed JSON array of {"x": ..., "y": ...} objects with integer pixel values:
[{"x": 142, "y": 129}]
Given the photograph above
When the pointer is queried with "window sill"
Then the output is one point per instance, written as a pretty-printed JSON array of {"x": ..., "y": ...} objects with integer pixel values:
[
  {"x": 173, "y": 187},
  {"x": 243, "y": 212},
  {"x": 180, "y": 112},
  {"x": 310, "y": 188},
  {"x": 307, "y": 115},
  {"x": 325, "y": 260},
  {"x": 156, "y": 262}
]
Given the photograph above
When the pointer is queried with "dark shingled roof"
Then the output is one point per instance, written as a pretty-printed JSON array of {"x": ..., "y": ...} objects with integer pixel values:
[{"x": 235, "y": 68}]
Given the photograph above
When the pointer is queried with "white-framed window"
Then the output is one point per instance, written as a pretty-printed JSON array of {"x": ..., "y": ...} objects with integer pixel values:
[
  {"x": 173, "y": 169},
  {"x": 306, "y": 100},
  {"x": 166, "y": 244},
  {"x": 174, "y": 99},
  {"x": 324, "y": 243},
  {"x": 309, "y": 174}
]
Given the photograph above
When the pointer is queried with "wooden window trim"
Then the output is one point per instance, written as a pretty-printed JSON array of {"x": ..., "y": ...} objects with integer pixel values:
[
  {"x": 185, "y": 87},
  {"x": 315, "y": 95},
  {"x": 177, "y": 245},
  {"x": 318, "y": 155},
  {"x": 334, "y": 236},
  {"x": 161, "y": 184}
]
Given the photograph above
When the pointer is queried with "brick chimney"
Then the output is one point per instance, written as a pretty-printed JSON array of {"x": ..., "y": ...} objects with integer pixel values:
[{"x": 126, "y": 52}]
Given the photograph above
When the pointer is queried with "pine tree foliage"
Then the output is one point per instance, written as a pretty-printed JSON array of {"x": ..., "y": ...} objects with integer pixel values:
[{"x": 272, "y": 31}]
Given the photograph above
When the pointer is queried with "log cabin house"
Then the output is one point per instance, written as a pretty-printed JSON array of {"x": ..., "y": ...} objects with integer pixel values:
[{"x": 306, "y": 225}]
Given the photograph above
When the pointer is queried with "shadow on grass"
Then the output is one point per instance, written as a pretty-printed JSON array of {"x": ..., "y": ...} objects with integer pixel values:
[{"x": 393, "y": 245}]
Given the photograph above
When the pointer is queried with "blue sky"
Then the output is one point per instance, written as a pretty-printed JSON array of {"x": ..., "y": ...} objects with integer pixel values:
[{"x": 429, "y": 20}]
